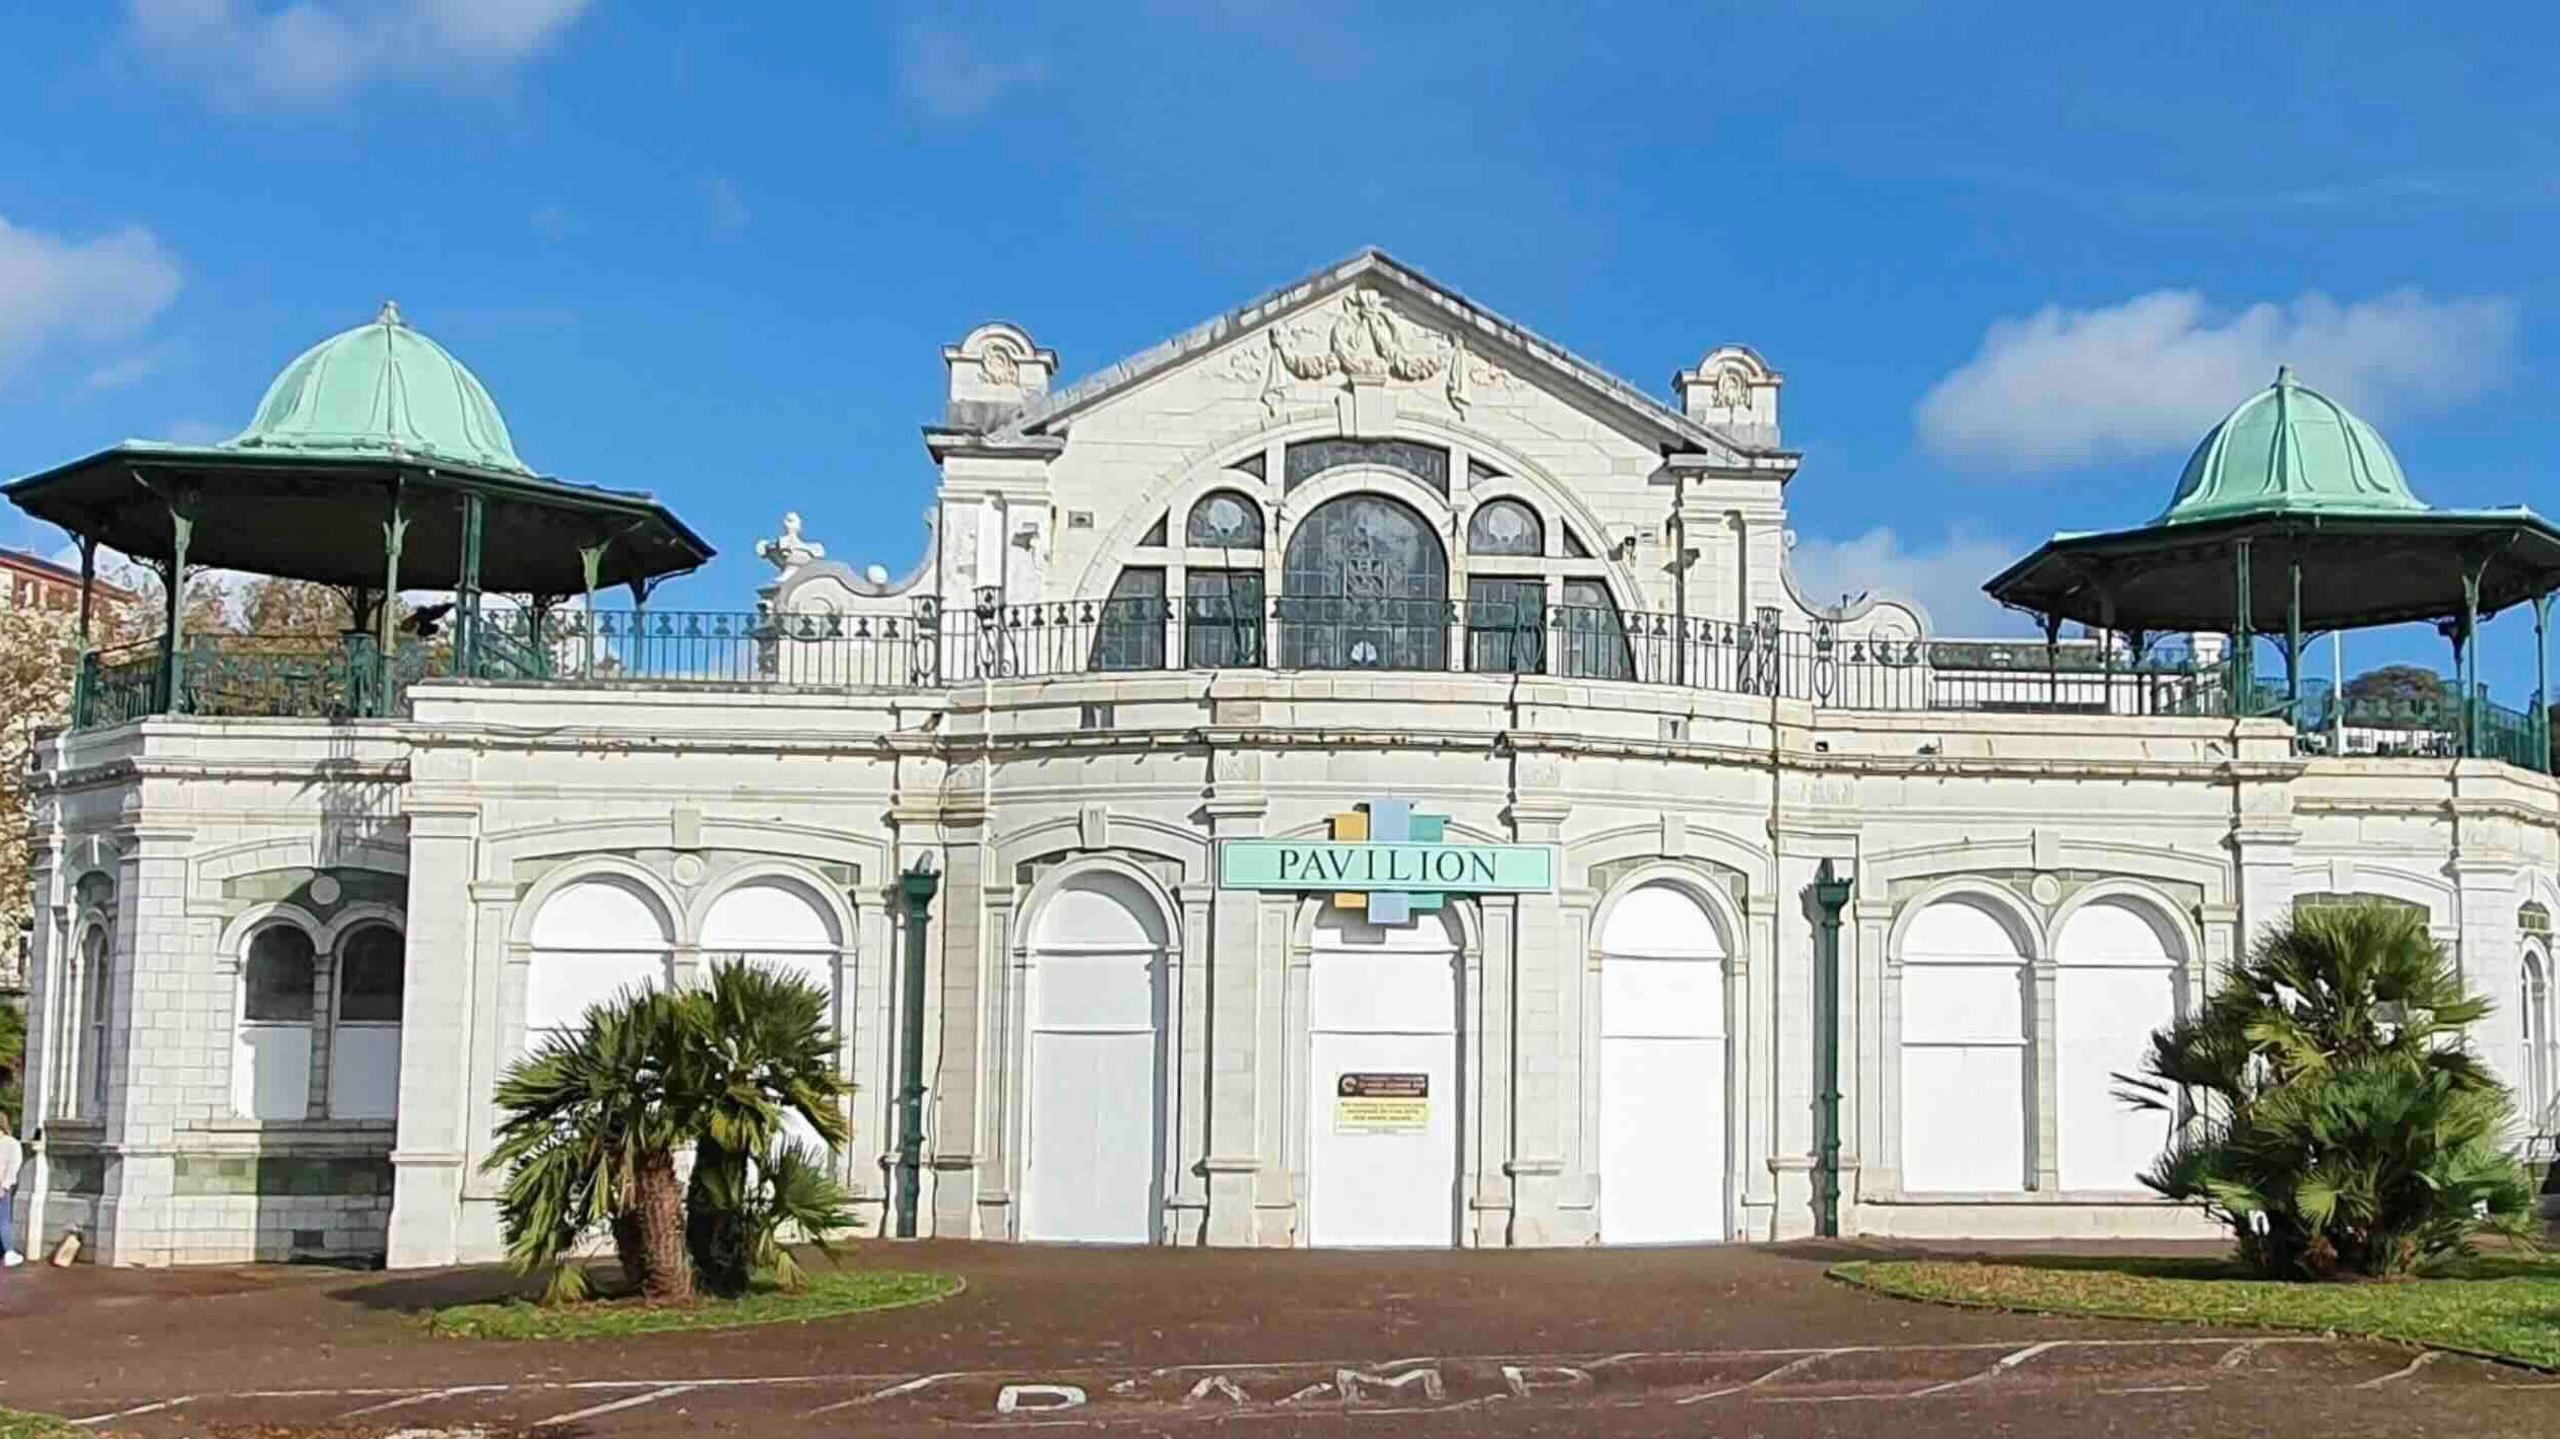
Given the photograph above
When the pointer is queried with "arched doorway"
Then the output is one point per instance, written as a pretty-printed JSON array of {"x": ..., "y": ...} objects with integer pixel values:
[
  {"x": 1364, "y": 585},
  {"x": 1965, "y": 1057},
  {"x": 1384, "y": 1111},
  {"x": 1093, "y": 1141},
  {"x": 1662, "y": 1070},
  {"x": 2115, "y": 981},
  {"x": 2541, "y": 1104}
]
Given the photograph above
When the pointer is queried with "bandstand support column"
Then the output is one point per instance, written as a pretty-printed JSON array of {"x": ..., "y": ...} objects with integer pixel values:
[
  {"x": 173, "y": 628},
  {"x": 395, "y": 535},
  {"x": 2467, "y": 660},
  {"x": 88, "y": 585},
  {"x": 590, "y": 561},
  {"x": 2542, "y": 680},
  {"x": 2244, "y": 636},
  {"x": 2293, "y": 638},
  {"x": 466, "y": 589}
]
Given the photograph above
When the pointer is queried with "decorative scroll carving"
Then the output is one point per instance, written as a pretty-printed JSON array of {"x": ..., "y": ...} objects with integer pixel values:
[{"x": 1367, "y": 343}]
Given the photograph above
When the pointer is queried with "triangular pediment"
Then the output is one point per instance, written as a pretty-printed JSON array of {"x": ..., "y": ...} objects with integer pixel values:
[{"x": 1372, "y": 318}]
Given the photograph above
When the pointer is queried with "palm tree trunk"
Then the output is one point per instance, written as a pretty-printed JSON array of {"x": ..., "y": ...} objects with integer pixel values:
[{"x": 669, "y": 1278}]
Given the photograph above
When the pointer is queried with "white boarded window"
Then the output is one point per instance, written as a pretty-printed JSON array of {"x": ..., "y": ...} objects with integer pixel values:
[
  {"x": 1662, "y": 1070},
  {"x": 364, "y": 1043},
  {"x": 593, "y": 940},
  {"x": 1094, "y": 1124},
  {"x": 271, "y": 1058},
  {"x": 780, "y": 927},
  {"x": 2115, "y": 981},
  {"x": 1965, "y": 1061}
]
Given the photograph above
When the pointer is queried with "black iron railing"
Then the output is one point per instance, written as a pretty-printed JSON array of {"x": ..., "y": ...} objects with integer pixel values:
[{"x": 930, "y": 647}]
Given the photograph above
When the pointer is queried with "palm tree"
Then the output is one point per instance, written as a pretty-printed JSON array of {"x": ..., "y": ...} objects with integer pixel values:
[
  {"x": 765, "y": 1056},
  {"x": 2346, "y": 1127},
  {"x": 595, "y": 1118}
]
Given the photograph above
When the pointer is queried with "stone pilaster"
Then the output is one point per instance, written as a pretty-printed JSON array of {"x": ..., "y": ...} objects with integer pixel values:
[
  {"x": 1545, "y": 964},
  {"x": 430, "y": 1157}
]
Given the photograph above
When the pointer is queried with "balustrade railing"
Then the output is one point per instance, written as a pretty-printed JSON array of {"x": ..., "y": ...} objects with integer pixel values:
[{"x": 930, "y": 647}]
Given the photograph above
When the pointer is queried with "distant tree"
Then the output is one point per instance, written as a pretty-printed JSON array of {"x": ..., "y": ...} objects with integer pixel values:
[
  {"x": 2413, "y": 686},
  {"x": 39, "y": 654}
]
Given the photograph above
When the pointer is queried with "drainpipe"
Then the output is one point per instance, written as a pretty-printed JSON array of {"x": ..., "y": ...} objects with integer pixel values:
[
  {"x": 1830, "y": 894},
  {"x": 917, "y": 887}
]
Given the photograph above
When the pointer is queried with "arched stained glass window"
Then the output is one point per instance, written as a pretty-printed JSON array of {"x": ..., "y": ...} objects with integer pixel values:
[
  {"x": 1593, "y": 635},
  {"x": 1365, "y": 586},
  {"x": 1506, "y": 527},
  {"x": 1226, "y": 520}
]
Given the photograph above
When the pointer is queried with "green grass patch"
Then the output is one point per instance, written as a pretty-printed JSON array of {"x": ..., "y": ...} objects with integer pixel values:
[
  {"x": 829, "y": 1293},
  {"x": 2504, "y": 1307},
  {"x": 19, "y": 1424}
]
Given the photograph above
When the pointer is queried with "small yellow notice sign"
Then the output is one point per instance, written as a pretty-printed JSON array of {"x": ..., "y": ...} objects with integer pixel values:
[{"x": 1373, "y": 1103}]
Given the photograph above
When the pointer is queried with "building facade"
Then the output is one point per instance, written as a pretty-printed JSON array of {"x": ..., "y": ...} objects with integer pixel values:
[{"x": 1355, "y": 774}]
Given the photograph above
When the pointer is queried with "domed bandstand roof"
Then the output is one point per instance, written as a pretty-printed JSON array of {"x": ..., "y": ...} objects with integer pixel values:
[
  {"x": 376, "y": 420},
  {"x": 2304, "y": 499},
  {"x": 382, "y": 389}
]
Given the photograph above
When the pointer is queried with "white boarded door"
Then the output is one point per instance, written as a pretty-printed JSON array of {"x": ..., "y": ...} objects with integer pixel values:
[
  {"x": 1094, "y": 1124},
  {"x": 1383, "y": 1106},
  {"x": 1662, "y": 1071},
  {"x": 1965, "y": 1072},
  {"x": 2115, "y": 981}
]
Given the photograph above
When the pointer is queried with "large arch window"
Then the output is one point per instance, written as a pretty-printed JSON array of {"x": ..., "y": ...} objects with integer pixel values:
[
  {"x": 1965, "y": 1069},
  {"x": 1365, "y": 586},
  {"x": 2116, "y": 981},
  {"x": 778, "y": 926},
  {"x": 1093, "y": 1153},
  {"x": 364, "y": 1033},
  {"x": 271, "y": 1067},
  {"x": 1593, "y": 635},
  {"x": 593, "y": 940}
]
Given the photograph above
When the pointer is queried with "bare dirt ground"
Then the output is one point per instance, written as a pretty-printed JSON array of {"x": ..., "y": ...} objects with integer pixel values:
[{"x": 1711, "y": 1341}]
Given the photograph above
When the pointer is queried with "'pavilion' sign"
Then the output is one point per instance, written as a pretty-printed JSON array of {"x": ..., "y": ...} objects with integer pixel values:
[{"x": 1387, "y": 860}]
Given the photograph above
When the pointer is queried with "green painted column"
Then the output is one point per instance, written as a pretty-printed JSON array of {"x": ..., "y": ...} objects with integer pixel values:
[
  {"x": 466, "y": 589},
  {"x": 1830, "y": 896},
  {"x": 916, "y": 887},
  {"x": 88, "y": 585}
]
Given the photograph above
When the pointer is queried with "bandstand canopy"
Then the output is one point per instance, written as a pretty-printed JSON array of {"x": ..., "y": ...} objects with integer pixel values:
[
  {"x": 377, "y": 417},
  {"x": 2317, "y": 498}
]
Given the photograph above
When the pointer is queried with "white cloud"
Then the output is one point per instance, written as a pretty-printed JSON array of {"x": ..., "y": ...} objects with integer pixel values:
[
  {"x": 198, "y": 432},
  {"x": 944, "y": 74},
  {"x": 94, "y": 291},
  {"x": 1945, "y": 579},
  {"x": 314, "y": 52},
  {"x": 2066, "y": 387}
]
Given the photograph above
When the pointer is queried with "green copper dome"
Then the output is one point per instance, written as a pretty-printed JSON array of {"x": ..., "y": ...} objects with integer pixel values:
[
  {"x": 2289, "y": 448},
  {"x": 382, "y": 390}
]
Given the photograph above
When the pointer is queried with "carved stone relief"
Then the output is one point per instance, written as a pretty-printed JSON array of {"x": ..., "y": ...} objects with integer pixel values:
[{"x": 1367, "y": 343}]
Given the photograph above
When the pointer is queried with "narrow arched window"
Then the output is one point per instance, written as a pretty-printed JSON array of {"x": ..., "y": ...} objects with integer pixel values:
[
  {"x": 271, "y": 1067},
  {"x": 1226, "y": 520},
  {"x": 90, "y": 1096},
  {"x": 364, "y": 1044},
  {"x": 1506, "y": 527}
]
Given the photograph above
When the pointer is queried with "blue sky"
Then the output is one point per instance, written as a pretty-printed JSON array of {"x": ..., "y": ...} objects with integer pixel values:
[{"x": 2012, "y": 259}]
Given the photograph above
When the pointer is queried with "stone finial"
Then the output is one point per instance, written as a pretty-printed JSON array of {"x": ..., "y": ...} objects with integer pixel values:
[
  {"x": 789, "y": 550},
  {"x": 389, "y": 314},
  {"x": 994, "y": 373},
  {"x": 1734, "y": 390}
]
